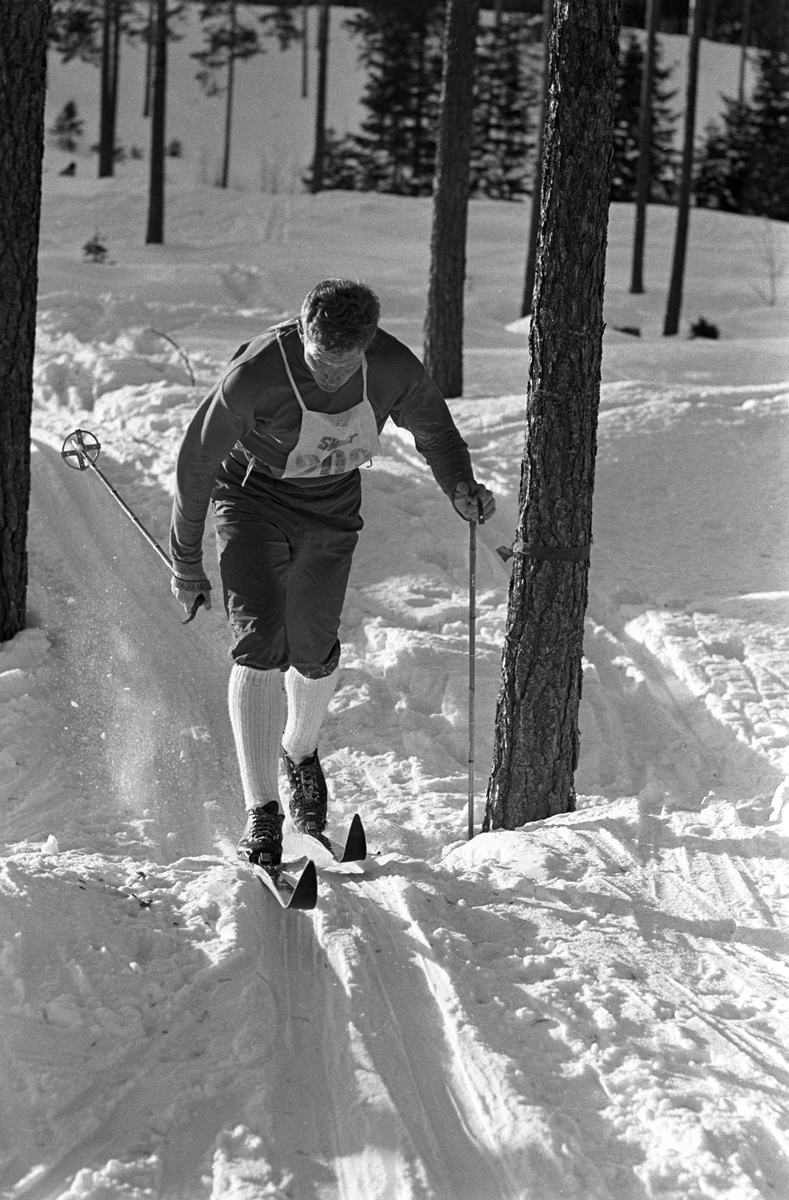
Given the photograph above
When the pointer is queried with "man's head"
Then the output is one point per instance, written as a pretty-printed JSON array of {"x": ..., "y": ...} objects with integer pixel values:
[{"x": 337, "y": 323}]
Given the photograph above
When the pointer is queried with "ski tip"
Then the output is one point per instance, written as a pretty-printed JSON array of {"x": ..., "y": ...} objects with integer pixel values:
[
  {"x": 356, "y": 843},
  {"x": 305, "y": 893}
]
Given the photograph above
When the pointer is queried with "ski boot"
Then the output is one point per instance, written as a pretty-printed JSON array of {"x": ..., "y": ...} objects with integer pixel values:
[
  {"x": 308, "y": 795},
  {"x": 261, "y": 841}
]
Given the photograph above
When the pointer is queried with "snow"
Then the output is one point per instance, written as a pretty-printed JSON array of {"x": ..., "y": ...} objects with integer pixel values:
[{"x": 593, "y": 1007}]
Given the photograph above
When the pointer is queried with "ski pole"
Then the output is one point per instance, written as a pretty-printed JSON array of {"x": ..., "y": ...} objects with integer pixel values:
[
  {"x": 80, "y": 451},
  {"x": 472, "y": 646}
]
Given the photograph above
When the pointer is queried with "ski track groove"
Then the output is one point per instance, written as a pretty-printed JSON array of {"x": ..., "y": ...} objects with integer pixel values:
[{"x": 459, "y": 1162}]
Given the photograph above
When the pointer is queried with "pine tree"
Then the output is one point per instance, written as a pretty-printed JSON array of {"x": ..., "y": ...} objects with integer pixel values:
[
  {"x": 75, "y": 30},
  {"x": 536, "y": 744},
  {"x": 230, "y": 38},
  {"x": 443, "y": 345},
  {"x": 663, "y": 170}
]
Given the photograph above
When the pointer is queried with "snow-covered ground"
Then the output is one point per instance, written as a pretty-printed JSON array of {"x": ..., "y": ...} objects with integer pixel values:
[{"x": 595, "y": 1007}]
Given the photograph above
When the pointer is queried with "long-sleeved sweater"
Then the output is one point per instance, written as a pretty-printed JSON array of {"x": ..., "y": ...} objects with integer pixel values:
[{"x": 252, "y": 412}]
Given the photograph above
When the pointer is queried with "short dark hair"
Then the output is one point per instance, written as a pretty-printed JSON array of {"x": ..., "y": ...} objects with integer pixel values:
[{"x": 341, "y": 315}]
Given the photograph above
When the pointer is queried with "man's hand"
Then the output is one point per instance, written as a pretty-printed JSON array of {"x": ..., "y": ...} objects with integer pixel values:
[
  {"x": 187, "y": 592},
  {"x": 474, "y": 502}
]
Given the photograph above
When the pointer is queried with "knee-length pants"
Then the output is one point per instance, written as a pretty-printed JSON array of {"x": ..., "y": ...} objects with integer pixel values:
[{"x": 285, "y": 554}]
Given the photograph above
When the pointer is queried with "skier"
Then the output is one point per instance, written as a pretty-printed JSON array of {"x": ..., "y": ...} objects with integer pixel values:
[{"x": 276, "y": 448}]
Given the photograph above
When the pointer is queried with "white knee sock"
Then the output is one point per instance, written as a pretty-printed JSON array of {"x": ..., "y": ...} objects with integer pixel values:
[
  {"x": 257, "y": 713},
  {"x": 308, "y": 702}
]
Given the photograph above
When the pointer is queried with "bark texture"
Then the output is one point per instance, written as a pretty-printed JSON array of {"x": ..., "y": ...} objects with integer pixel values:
[
  {"x": 22, "y": 94},
  {"x": 443, "y": 334},
  {"x": 537, "y": 741}
]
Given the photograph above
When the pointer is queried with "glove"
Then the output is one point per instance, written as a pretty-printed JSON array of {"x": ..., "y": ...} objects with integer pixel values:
[
  {"x": 188, "y": 592},
  {"x": 473, "y": 501}
]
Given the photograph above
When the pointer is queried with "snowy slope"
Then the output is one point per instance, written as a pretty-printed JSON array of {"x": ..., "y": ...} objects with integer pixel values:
[{"x": 592, "y": 1007}]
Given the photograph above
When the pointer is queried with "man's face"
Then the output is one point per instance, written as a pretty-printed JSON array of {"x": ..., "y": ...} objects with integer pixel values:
[{"x": 330, "y": 370}]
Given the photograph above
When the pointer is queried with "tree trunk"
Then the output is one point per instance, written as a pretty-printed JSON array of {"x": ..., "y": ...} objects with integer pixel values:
[
  {"x": 106, "y": 139},
  {"x": 745, "y": 37},
  {"x": 305, "y": 50},
  {"x": 537, "y": 741},
  {"x": 316, "y": 175},
  {"x": 115, "y": 76},
  {"x": 443, "y": 334},
  {"x": 644, "y": 146},
  {"x": 534, "y": 220},
  {"x": 149, "y": 39},
  {"x": 155, "y": 231},
  {"x": 674, "y": 302},
  {"x": 231, "y": 79},
  {"x": 22, "y": 93}
]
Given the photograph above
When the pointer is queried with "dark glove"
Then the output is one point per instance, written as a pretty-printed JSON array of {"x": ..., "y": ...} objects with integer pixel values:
[{"x": 474, "y": 502}]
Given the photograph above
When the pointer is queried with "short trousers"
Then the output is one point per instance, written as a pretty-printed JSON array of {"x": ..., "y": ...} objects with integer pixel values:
[{"x": 285, "y": 554}]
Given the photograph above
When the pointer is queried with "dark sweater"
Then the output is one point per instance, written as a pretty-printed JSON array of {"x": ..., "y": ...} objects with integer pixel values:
[{"x": 252, "y": 411}]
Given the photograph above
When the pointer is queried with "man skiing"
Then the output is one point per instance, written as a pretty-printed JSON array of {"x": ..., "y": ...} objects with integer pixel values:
[{"x": 276, "y": 448}]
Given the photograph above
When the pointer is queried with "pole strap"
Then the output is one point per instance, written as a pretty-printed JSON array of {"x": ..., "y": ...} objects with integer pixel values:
[{"x": 573, "y": 554}]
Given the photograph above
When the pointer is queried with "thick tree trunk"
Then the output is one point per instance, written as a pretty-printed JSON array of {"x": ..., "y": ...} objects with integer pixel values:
[
  {"x": 155, "y": 230},
  {"x": 443, "y": 334},
  {"x": 22, "y": 94},
  {"x": 537, "y": 742},
  {"x": 676, "y": 284}
]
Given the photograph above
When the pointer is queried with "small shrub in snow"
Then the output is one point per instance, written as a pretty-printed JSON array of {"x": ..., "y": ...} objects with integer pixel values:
[
  {"x": 704, "y": 329},
  {"x": 67, "y": 127},
  {"x": 95, "y": 251}
]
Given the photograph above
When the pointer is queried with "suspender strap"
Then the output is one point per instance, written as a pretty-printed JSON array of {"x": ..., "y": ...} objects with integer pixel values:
[{"x": 296, "y": 391}]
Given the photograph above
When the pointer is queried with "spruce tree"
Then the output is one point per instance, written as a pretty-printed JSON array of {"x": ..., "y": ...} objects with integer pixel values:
[
  {"x": 744, "y": 166},
  {"x": 401, "y": 49},
  {"x": 767, "y": 188},
  {"x": 508, "y": 67},
  {"x": 663, "y": 171},
  {"x": 66, "y": 129},
  {"x": 396, "y": 148},
  {"x": 724, "y": 163}
]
